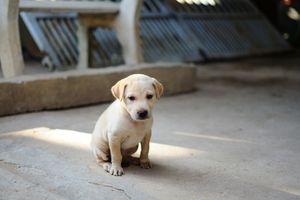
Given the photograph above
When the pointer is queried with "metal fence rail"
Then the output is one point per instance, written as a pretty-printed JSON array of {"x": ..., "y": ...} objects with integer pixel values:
[{"x": 171, "y": 30}]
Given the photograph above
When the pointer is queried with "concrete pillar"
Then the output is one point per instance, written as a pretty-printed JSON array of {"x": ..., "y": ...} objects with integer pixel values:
[
  {"x": 128, "y": 31},
  {"x": 11, "y": 57},
  {"x": 83, "y": 46}
]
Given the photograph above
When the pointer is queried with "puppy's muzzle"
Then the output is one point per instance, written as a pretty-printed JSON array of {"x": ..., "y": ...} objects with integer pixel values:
[{"x": 142, "y": 114}]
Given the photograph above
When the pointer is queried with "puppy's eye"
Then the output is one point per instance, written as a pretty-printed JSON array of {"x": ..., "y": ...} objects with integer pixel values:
[
  {"x": 131, "y": 98},
  {"x": 149, "y": 96}
]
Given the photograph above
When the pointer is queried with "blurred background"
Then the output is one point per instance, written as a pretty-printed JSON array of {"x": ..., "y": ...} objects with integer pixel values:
[{"x": 171, "y": 31}]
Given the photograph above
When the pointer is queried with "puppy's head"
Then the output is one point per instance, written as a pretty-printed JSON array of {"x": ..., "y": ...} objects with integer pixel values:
[{"x": 138, "y": 94}]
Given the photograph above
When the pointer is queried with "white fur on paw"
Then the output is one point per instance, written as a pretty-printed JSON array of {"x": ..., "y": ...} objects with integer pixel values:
[
  {"x": 145, "y": 164},
  {"x": 116, "y": 170}
]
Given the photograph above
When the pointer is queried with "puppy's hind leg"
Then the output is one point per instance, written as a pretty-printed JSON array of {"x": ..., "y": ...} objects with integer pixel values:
[{"x": 102, "y": 158}]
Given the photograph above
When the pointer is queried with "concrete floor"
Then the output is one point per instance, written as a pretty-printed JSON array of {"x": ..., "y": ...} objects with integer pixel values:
[{"x": 228, "y": 140}]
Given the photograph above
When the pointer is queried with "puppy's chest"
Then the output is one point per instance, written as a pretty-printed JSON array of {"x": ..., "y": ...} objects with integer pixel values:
[{"x": 133, "y": 137}]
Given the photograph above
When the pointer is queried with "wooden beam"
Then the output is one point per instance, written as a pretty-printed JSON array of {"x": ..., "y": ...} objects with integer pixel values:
[
  {"x": 10, "y": 46},
  {"x": 95, "y": 20},
  {"x": 67, "y": 6}
]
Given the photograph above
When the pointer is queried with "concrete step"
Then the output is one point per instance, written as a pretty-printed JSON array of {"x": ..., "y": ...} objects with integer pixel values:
[{"x": 76, "y": 88}]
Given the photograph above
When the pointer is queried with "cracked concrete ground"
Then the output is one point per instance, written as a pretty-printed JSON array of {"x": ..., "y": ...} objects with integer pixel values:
[{"x": 228, "y": 140}]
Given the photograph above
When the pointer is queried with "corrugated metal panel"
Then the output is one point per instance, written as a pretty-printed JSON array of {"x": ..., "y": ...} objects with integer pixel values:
[
  {"x": 170, "y": 31},
  {"x": 55, "y": 35},
  {"x": 228, "y": 28},
  {"x": 163, "y": 38},
  {"x": 105, "y": 49},
  {"x": 198, "y": 30}
]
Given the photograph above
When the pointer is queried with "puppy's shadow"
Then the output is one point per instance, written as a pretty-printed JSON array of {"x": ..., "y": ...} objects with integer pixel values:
[
  {"x": 162, "y": 171},
  {"x": 137, "y": 170}
]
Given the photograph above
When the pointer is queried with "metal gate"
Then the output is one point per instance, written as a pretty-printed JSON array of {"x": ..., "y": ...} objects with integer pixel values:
[
  {"x": 171, "y": 30},
  {"x": 208, "y": 29}
]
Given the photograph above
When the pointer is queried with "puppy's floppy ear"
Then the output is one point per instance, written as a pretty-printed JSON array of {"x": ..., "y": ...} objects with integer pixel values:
[
  {"x": 118, "y": 89},
  {"x": 159, "y": 88}
]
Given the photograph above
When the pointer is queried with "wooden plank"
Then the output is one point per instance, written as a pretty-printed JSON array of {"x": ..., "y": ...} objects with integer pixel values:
[
  {"x": 70, "y": 6},
  {"x": 95, "y": 20}
]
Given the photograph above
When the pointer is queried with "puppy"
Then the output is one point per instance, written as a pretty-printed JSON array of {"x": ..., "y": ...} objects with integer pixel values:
[{"x": 126, "y": 123}]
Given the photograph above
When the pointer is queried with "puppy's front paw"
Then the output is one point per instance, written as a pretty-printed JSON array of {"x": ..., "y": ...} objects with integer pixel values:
[
  {"x": 116, "y": 170},
  {"x": 145, "y": 164}
]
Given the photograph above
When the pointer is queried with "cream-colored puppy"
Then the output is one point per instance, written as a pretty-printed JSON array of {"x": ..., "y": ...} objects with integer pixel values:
[{"x": 126, "y": 123}]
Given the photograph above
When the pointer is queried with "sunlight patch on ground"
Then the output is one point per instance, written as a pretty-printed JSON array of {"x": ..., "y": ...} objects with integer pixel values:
[
  {"x": 291, "y": 191},
  {"x": 211, "y": 137},
  {"x": 171, "y": 151},
  {"x": 81, "y": 141},
  {"x": 69, "y": 138}
]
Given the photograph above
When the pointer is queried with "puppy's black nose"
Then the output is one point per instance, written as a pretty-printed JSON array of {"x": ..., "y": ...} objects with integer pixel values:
[{"x": 142, "y": 114}]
